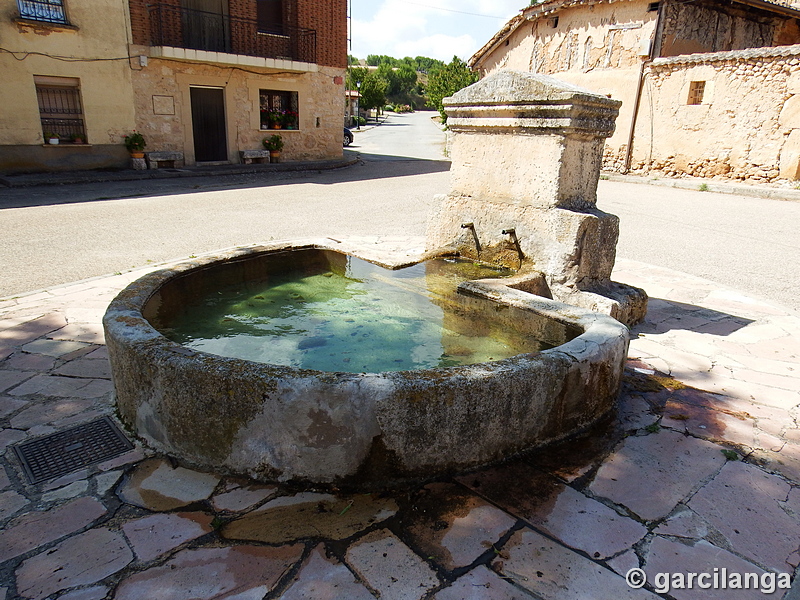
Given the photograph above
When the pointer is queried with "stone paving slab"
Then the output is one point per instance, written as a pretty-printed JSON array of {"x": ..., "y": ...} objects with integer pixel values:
[
  {"x": 152, "y": 536},
  {"x": 322, "y": 578},
  {"x": 84, "y": 559},
  {"x": 156, "y": 485},
  {"x": 650, "y": 487},
  {"x": 456, "y": 527},
  {"x": 482, "y": 584},
  {"x": 309, "y": 515},
  {"x": 650, "y": 474},
  {"x": 37, "y": 528},
  {"x": 558, "y": 510},
  {"x": 746, "y": 505},
  {"x": 240, "y": 572},
  {"x": 390, "y": 567},
  {"x": 667, "y": 556},
  {"x": 553, "y": 572}
]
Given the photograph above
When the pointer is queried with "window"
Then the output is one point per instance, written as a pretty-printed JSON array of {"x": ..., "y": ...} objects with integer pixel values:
[
  {"x": 270, "y": 16},
  {"x": 60, "y": 106},
  {"x": 696, "y": 89},
  {"x": 50, "y": 11},
  {"x": 553, "y": 22},
  {"x": 279, "y": 107},
  {"x": 653, "y": 6}
]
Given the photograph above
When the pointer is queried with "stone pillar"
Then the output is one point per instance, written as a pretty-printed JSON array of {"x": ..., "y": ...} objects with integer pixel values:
[{"x": 526, "y": 153}]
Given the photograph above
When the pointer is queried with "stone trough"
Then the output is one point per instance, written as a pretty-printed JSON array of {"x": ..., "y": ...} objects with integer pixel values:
[{"x": 371, "y": 430}]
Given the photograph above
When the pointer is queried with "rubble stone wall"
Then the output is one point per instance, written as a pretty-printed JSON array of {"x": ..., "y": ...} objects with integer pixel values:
[{"x": 747, "y": 126}]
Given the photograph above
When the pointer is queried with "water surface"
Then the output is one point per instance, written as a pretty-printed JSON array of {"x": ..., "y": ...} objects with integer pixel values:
[{"x": 354, "y": 316}]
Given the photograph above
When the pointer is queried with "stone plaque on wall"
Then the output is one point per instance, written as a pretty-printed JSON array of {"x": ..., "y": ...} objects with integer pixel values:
[{"x": 163, "y": 105}]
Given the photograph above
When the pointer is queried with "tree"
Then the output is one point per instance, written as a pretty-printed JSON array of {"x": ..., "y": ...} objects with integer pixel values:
[
  {"x": 355, "y": 75},
  {"x": 373, "y": 91},
  {"x": 405, "y": 78},
  {"x": 446, "y": 81}
]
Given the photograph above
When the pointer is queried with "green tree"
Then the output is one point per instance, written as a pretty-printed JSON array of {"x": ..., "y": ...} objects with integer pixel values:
[
  {"x": 387, "y": 73},
  {"x": 446, "y": 81},
  {"x": 355, "y": 75},
  {"x": 426, "y": 65},
  {"x": 405, "y": 78},
  {"x": 373, "y": 91}
]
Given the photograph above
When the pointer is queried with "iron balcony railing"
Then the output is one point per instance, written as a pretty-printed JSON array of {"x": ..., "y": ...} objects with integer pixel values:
[{"x": 199, "y": 30}]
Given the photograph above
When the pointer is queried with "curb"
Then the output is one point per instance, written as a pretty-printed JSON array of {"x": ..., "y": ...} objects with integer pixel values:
[
  {"x": 694, "y": 184},
  {"x": 40, "y": 179}
]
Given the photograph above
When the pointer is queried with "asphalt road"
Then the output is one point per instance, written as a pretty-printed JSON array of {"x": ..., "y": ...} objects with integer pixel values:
[{"x": 54, "y": 235}]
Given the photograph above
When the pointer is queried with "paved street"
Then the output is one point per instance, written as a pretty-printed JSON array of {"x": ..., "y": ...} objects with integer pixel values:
[
  {"x": 53, "y": 235},
  {"x": 698, "y": 471}
]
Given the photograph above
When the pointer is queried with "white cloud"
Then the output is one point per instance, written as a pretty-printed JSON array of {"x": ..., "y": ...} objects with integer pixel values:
[{"x": 418, "y": 28}]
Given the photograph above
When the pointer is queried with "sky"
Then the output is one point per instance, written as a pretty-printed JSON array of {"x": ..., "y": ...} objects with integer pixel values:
[{"x": 433, "y": 28}]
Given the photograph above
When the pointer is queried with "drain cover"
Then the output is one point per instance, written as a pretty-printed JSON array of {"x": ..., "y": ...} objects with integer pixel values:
[{"x": 70, "y": 450}]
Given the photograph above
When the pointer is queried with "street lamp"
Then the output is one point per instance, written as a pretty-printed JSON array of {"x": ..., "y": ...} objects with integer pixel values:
[{"x": 358, "y": 100}]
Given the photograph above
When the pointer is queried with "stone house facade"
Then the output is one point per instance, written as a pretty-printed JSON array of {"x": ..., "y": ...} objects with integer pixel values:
[
  {"x": 198, "y": 78},
  {"x": 65, "y": 71},
  {"x": 707, "y": 87},
  {"x": 215, "y": 69}
]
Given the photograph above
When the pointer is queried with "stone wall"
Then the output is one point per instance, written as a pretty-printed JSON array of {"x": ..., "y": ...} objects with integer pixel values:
[{"x": 747, "y": 126}]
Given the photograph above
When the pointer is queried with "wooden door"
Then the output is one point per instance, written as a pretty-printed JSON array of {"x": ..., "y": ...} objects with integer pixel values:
[{"x": 208, "y": 124}]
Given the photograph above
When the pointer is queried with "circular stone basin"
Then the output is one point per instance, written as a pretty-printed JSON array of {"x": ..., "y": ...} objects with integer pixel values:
[{"x": 277, "y": 422}]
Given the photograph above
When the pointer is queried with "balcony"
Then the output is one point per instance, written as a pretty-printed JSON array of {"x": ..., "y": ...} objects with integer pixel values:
[{"x": 177, "y": 27}]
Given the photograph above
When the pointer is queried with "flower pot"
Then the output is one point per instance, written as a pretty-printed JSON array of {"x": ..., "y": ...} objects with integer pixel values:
[
  {"x": 275, "y": 126},
  {"x": 53, "y": 141},
  {"x": 137, "y": 154},
  {"x": 274, "y": 156}
]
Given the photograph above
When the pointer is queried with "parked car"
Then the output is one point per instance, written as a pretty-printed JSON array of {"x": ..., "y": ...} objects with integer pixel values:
[{"x": 348, "y": 137}]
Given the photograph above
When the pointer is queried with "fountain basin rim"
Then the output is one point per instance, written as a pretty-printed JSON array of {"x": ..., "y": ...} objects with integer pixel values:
[{"x": 360, "y": 430}]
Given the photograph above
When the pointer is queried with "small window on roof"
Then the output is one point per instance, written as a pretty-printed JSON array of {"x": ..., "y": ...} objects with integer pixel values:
[
  {"x": 696, "y": 90},
  {"x": 553, "y": 21},
  {"x": 653, "y": 6}
]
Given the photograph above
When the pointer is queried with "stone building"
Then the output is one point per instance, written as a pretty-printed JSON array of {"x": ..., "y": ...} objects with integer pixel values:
[
  {"x": 198, "y": 78},
  {"x": 708, "y": 87},
  {"x": 66, "y": 71},
  {"x": 215, "y": 69}
]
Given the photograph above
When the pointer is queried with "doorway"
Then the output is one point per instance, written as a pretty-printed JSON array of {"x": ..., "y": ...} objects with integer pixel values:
[{"x": 208, "y": 124}]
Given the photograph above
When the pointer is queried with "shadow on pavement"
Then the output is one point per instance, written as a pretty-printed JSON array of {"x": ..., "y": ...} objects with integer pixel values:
[{"x": 198, "y": 179}]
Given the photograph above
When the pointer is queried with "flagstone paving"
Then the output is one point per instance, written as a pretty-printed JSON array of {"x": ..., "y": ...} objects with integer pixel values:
[{"x": 697, "y": 471}]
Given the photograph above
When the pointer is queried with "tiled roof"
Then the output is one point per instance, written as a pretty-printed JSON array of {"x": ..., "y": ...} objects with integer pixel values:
[{"x": 731, "y": 55}]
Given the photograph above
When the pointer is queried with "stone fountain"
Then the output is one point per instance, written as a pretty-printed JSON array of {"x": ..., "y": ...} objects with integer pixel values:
[
  {"x": 526, "y": 153},
  {"x": 526, "y": 157}
]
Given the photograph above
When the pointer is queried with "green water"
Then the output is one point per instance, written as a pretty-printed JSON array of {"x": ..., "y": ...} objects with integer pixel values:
[{"x": 357, "y": 317}]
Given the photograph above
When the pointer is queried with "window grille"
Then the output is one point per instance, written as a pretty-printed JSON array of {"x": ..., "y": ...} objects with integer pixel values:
[
  {"x": 696, "y": 89},
  {"x": 276, "y": 102},
  {"x": 60, "y": 110},
  {"x": 50, "y": 11}
]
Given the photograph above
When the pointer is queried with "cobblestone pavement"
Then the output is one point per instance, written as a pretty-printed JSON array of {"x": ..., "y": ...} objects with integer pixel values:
[{"x": 698, "y": 471}]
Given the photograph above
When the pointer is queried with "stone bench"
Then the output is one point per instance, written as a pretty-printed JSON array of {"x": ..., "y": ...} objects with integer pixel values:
[
  {"x": 157, "y": 160},
  {"x": 250, "y": 156}
]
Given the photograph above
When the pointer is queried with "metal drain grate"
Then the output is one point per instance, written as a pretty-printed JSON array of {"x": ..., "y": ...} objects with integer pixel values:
[{"x": 70, "y": 450}]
